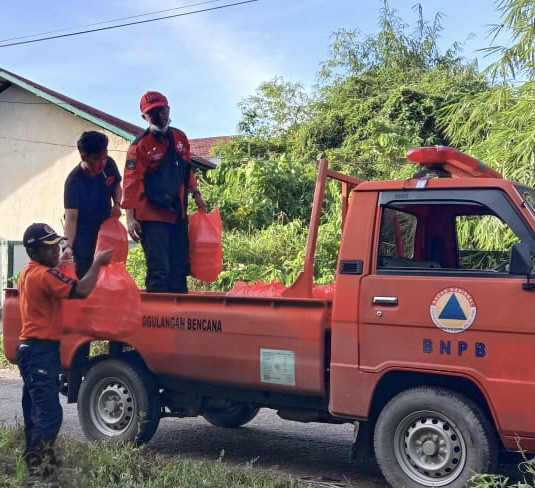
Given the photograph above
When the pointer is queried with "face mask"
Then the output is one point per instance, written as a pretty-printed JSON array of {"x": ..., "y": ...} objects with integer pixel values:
[{"x": 159, "y": 130}]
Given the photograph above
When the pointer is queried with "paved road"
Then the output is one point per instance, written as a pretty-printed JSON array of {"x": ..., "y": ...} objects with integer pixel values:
[{"x": 315, "y": 452}]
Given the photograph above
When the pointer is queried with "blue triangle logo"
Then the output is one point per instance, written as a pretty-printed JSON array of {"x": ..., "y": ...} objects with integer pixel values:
[{"x": 452, "y": 310}]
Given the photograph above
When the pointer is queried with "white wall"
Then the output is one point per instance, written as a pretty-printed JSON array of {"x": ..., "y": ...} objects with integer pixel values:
[{"x": 37, "y": 152}]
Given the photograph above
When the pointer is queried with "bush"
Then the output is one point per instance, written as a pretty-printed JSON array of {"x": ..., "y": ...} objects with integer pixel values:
[
  {"x": 4, "y": 363},
  {"x": 135, "y": 264},
  {"x": 274, "y": 253}
]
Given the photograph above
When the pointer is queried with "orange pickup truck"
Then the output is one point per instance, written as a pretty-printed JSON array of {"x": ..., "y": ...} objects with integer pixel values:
[{"x": 427, "y": 343}]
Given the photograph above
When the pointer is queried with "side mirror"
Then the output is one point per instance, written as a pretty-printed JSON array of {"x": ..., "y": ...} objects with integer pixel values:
[{"x": 520, "y": 259}]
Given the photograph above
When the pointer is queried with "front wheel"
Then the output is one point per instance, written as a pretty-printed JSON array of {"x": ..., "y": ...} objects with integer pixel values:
[
  {"x": 431, "y": 436},
  {"x": 232, "y": 416},
  {"x": 118, "y": 402}
]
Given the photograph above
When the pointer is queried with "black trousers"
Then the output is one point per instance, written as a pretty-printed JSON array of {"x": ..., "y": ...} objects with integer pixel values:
[
  {"x": 39, "y": 364},
  {"x": 167, "y": 255},
  {"x": 84, "y": 246}
]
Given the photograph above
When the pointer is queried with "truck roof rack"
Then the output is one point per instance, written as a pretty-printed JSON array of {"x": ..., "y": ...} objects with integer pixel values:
[{"x": 449, "y": 162}]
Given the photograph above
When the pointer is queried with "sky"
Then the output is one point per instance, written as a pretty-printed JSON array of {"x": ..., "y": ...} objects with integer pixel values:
[{"x": 205, "y": 62}]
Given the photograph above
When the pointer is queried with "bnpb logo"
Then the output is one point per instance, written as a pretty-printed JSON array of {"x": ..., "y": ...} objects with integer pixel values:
[{"x": 453, "y": 310}]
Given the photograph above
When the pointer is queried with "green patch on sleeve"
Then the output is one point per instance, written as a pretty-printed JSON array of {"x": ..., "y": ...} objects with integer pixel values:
[{"x": 130, "y": 163}]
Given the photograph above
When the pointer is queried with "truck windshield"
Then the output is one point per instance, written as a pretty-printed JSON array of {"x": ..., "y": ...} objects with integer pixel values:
[{"x": 528, "y": 194}]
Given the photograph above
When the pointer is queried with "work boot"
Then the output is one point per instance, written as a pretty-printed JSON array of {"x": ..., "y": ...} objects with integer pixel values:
[
  {"x": 49, "y": 462},
  {"x": 38, "y": 482},
  {"x": 41, "y": 464},
  {"x": 38, "y": 479}
]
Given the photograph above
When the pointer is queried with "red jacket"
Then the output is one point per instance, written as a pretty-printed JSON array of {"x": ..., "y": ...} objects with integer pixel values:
[{"x": 146, "y": 153}]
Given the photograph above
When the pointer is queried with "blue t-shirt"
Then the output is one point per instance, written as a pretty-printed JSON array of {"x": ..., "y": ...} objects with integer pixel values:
[{"x": 91, "y": 195}]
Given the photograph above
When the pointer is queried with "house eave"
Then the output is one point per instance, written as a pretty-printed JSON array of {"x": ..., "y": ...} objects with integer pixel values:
[{"x": 67, "y": 106}]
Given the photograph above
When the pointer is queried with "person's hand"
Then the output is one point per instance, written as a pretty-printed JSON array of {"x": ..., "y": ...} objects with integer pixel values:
[
  {"x": 201, "y": 204},
  {"x": 104, "y": 257},
  {"x": 134, "y": 229},
  {"x": 116, "y": 210},
  {"x": 66, "y": 254}
]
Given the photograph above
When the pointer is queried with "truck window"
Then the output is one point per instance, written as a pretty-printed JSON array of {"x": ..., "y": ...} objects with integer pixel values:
[
  {"x": 442, "y": 236},
  {"x": 484, "y": 242},
  {"x": 528, "y": 194},
  {"x": 397, "y": 234},
  {"x": 397, "y": 241}
]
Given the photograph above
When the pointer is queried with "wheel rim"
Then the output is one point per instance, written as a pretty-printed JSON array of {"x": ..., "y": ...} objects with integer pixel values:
[
  {"x": 430, "y": 448},
  {"x": 112, "y": 406}
]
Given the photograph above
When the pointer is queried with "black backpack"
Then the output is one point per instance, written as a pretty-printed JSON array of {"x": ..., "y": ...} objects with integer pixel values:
[{"x": 163, "y": 183}]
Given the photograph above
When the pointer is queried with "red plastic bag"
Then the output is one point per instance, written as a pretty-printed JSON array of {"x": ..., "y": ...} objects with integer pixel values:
[
  {"x": 257, "y": 289},
  {"x": 205, "y": 246},
  {"x": 70, "y": 308},
  {"x": 113, "y": 235},
  {"x": 275, "y": 289},
  {"x": 68, "y": 268},
  {"x": 325, "y": 292},
  {"x": 111, "y": 311}
]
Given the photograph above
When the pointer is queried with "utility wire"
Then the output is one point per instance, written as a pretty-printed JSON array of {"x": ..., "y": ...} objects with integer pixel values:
[
  {"x": 48, "y": 143},
  {"x": 109, "y": 21},
  {"x": 127, "y": 24}
]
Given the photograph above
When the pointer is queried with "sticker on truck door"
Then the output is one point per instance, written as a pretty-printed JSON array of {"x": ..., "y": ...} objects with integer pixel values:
[
  {"x": 277, "y": 366},
  {"x": 453, "y": 310}
]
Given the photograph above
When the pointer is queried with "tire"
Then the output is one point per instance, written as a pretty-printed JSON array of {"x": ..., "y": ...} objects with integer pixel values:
[
  {"x": 231, "y": 417},
  {"x": 118, "y": 402},
  {"x": 431, "y": 436}
]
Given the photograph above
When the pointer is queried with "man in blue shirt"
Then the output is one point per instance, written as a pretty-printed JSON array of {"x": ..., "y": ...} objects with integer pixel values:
[{"x": 92, "y": 194}]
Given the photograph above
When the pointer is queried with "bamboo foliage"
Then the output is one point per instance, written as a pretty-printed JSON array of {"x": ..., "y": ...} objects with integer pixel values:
[{"x": 377, "y": 96}]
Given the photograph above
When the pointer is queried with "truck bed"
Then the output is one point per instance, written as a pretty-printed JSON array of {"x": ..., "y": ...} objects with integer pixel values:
[
  {"x": 267, "y": 343},
  {"x": 273, "y": 343}
]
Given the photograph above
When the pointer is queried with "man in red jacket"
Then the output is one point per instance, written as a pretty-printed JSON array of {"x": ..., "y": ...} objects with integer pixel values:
[{"x": 157, "y": 180}]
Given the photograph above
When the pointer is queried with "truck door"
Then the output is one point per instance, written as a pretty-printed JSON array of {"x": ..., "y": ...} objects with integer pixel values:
[{"x": 440, "y": 299}]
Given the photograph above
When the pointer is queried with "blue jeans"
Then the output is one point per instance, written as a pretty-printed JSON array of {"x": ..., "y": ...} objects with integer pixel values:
[{"x": 39, "y": 364}]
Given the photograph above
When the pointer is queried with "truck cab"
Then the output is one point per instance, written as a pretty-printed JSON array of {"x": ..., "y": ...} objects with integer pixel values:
[{"x": 434, "y": 328}]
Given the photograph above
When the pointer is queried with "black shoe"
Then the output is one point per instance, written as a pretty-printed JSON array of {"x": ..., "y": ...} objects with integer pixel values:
[{"x": 38, "y": 482}]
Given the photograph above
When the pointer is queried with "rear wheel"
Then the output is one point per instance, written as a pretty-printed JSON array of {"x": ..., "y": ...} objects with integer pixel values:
[
  {"x": 118, "y": 402},
  {"x": 232, "y": 416},
  {"x": 433, "y": 437}
]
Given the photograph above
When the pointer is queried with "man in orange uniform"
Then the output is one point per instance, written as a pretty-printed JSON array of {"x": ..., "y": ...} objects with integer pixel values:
[
  {"x": 42, "y": 287},
  {"x": 157, "y": 180}
]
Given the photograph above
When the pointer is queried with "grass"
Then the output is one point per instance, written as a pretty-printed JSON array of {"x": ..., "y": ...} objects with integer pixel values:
[
  {"x": 106, "y": 466},
  {"x": 499, "y": 481}
]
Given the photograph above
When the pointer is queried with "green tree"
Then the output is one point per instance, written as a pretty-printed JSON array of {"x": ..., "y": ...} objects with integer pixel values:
[
  {"x": 382, "y": 94},
  {"x": 254, "y": 193},
  {"x": 378, "y": 96},
  {"x": 275, "y": 108},
  {"x": 498, "y": 124}
]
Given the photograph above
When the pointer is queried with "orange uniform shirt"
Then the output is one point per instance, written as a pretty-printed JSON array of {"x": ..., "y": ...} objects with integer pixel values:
[
  {"x": 41, "y": 289},
  {"x": 144, "y": 154}
]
